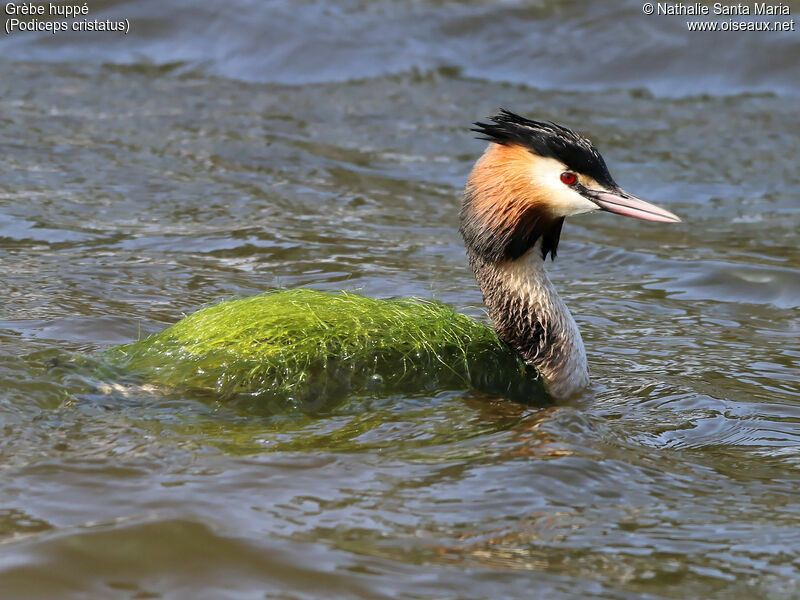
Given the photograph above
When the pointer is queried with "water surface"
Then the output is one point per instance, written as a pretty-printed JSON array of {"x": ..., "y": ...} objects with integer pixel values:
[{"x": 214, "y": 153}]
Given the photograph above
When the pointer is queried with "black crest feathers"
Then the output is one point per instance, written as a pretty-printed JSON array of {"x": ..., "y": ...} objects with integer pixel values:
[{"x": 549, "y": 140}]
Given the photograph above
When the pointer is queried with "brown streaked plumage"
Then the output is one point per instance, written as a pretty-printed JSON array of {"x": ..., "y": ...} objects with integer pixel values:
[
  {"x": 531, "y": 177},
  {"x": 506, "y": 207}
]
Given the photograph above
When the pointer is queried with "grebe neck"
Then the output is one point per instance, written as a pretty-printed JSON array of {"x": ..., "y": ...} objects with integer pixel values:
[{"x": 530, "y": 316}]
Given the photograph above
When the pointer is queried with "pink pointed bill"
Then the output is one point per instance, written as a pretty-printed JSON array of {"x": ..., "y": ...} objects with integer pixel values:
[{"x": 622, "y": 203}]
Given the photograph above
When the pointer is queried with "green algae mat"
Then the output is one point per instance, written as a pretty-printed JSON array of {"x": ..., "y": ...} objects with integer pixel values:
[{"x": 304, "y": 344}]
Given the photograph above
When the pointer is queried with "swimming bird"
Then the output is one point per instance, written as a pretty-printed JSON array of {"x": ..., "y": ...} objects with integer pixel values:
[
  {"x": 530, "y": 178},
  {"x": 303, "y": 343}
]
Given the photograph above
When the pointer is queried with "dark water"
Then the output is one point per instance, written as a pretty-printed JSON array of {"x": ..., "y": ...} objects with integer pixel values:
[{"x": 222, "y": 149}]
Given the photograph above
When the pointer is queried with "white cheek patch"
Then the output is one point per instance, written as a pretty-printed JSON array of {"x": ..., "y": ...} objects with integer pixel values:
[
  {"x": 561, "y": 199},
  {"x": 574, "y": 204}
]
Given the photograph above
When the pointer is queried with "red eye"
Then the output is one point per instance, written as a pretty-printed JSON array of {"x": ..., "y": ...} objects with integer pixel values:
[{"x": 568, "y": 178}]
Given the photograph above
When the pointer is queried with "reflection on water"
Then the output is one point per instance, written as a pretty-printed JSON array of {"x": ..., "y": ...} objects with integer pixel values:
[{"x": 131, "y": 194}]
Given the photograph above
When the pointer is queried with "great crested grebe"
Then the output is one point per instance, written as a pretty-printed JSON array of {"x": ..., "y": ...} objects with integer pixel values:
[
  {"x": 300, "y": 344},
  {"x": 531, "y": 177}
]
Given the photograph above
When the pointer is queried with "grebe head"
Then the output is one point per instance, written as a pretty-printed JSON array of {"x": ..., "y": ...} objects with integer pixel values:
[{"x": 532, "y": 176}]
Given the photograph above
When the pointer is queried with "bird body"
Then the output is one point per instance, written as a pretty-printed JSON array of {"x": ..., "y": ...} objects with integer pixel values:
[
  {"x": 307, "y": 345},
  {"x": 301, "y": 343}
]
